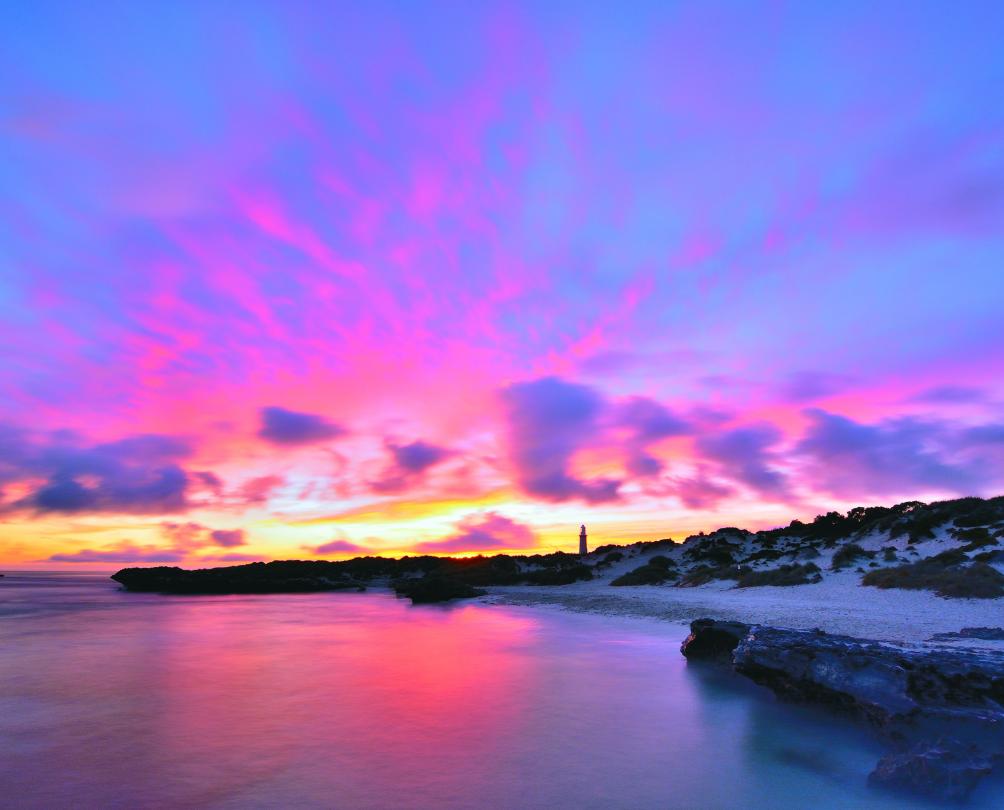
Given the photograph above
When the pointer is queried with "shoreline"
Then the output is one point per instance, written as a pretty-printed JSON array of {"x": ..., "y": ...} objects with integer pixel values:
[{"x": 838, "y": 605}]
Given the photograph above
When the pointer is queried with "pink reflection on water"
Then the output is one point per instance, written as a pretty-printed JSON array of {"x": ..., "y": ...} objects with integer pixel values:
[{"x": 112, "y": 700}]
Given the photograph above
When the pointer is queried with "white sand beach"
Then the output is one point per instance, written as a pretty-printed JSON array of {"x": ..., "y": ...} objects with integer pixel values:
[{"x": 837, "y": 604}]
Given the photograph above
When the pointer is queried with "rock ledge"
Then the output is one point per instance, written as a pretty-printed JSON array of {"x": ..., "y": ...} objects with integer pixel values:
[{"x": 941, "y": 709}]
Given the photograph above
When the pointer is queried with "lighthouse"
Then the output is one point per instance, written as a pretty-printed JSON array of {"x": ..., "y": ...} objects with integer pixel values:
[{"x": 583, "y": 549}]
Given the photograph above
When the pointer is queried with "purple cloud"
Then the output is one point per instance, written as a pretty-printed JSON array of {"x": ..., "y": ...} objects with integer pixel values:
[
  {"x": 283, "y": 426},
  {"x": 210, "y": 481},
  {"x": 124, "y": 553},
  {"x": 228, "y": 538},
  {"x": 483, "y": 533},
  {"x": 982, "y": 436},
  {"x": 189, "y": 537},
  {"x": 950, "y": 395},
  {"x": 648, "y": 421},
  {"x": 417, "y": 456},
  {"x": 338, "y": 547},
  {"x": 801, "y": 386},
  {"x": 700, "y": 492},
  {"x": 408, "y": 463},
  {"x": 851, "y": 459},
  {"x": 549, "y": 420},
  {"x": 745, "y": 454},
  {"x": 139, "y": 474}
]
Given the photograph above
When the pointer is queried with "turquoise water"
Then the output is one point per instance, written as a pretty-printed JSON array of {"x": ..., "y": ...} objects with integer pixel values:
[{"x": 110, "y": 699}]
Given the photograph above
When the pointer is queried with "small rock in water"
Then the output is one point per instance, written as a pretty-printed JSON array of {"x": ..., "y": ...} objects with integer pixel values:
[
  {"x": 945, "y": 769},
  {"x": 433, "y": 588},
  {"x": 982, "y": 633}
]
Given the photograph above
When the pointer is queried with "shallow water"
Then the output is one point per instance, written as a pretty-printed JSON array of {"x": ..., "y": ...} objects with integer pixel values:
[{"x": 110, "y": 699}]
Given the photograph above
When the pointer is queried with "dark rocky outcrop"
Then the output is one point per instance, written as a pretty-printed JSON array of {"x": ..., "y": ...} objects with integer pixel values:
[
  {"x": 942, "y": 708},
  {"x": 944, "y": 769},
  {"x": 297, "y": 576},
  {"x": 434, "y": 588},
  {"x": 248, "y": 579},
  {"x": 887, "y": 684},
  {"x": 712, "y": 640}
]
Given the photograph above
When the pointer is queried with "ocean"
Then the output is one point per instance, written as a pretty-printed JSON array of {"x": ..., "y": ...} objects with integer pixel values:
[{"x": 116, "y": 700}]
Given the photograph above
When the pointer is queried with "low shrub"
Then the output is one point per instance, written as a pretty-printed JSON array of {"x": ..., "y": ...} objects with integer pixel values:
[
  {"x": 989, "y": 512},
  {"x": 792, "y": 574},
  {"x": 889, "y": 554},
  {"x": 647, "y": 574},
  {"x": 559, "y": 576},
  {"x": 847, "y": 554},
  {"x": 977, "y": 538},
  {"x": 703, "y": 574},
  {"x": 953, "y": 556},
  {"x": 716, "y": 553},
  {"x": 949, "y": 579},
  {"x": 766, "y": 554}
]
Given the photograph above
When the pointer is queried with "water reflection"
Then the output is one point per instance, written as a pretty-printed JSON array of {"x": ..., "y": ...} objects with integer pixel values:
[{"x": 110, "y": 699}]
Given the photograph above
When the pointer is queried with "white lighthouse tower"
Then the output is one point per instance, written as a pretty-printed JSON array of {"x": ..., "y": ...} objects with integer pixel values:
[{"x": 583, "y": 549}]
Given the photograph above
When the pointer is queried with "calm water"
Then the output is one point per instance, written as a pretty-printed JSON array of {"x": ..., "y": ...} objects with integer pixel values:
[{"x": 109, "y": 699}]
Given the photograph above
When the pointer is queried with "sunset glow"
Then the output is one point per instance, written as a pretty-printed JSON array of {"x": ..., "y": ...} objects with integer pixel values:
[{"x": 321, "y": 280}]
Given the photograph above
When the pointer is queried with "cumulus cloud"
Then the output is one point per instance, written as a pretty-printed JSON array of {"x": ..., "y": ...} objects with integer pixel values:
[
  {"x": 982, "y": 436},
  {"x": 549, "y": 420},
  {"x": 850, "y": 459},
  {"x": 408, "y": 462},
  {"x": 700, "y": 491},
  {"x": 184, "y": 536},
  {"x": 121, "y": 553},
  {"x": 286, "y": 427},
  {"x": 184, "y": 539},
  {"x": 484, "y": 532},
  {"x": 210, "y": 481},
  {"x": 747, "y": 455},
  {"x": 647, "y": 421},
  {"x": 228, "y": 538},
  {"x": 191, "y": 536},
  {"x": 138, "y": 474}
]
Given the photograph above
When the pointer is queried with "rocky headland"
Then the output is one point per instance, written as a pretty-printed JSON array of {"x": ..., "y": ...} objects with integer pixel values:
[{"x": 940, "y": 709}]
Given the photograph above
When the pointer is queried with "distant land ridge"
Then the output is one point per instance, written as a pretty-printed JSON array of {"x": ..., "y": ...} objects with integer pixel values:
[{"x": 886, "y": 545}]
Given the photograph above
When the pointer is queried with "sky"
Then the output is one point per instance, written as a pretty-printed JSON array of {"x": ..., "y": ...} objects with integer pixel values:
[{"x": 295, "y": 280}]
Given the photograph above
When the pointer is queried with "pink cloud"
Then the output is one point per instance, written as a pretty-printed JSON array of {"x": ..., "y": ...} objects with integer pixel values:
[
  {"x": 483, "y": 533},
  {"x": 338, "y": 547}
]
